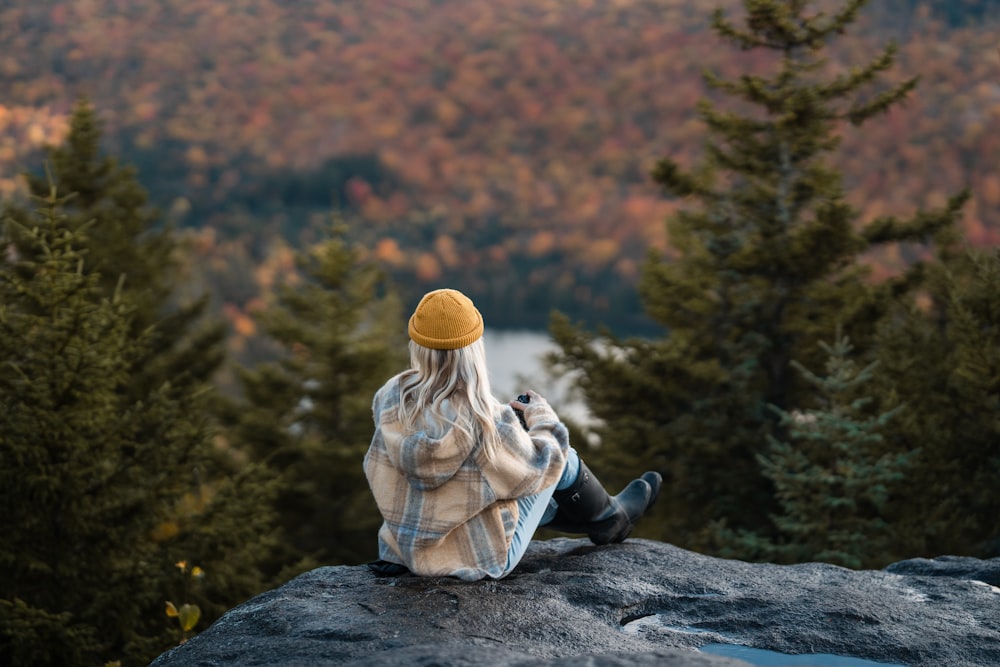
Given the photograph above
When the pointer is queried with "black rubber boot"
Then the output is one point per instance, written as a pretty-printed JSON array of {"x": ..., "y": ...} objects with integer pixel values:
[{"x": 586, "y": 507}]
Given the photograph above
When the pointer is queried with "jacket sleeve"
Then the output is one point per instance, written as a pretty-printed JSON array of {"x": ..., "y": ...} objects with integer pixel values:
[{"x": 527, "y": 461}]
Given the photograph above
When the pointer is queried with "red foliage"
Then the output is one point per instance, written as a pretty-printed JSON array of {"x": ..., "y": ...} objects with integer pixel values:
[{"x": 531, "y": 114}]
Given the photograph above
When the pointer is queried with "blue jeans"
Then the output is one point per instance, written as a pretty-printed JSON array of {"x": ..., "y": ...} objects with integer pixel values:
[{"x": 537, "y": 510}]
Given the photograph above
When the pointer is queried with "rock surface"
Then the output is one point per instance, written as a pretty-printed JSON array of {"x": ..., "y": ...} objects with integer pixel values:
[
  {"x": 957, "y": 567},
  {"x": 637, "y": 603}
]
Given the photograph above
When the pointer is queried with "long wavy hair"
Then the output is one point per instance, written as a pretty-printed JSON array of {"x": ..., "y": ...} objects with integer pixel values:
[{"x": 450, "y": 387}]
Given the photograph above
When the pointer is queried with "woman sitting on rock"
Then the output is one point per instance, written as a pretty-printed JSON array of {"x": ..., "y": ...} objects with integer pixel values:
[{"x": 460, "y": 482}]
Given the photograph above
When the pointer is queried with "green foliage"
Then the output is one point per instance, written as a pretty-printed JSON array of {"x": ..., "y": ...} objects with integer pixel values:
[
  {"x": 308, "y": 414},
  {"x": 832, "y": 473},
  {"x": 942, "y": 358},
  {"x": 92, "y": 476},
  {"x": 187, "y": 614},
  {"x": 66, "y": 443},
  {"x": 766, "y": 263},
  {"x": 127, "y": 246}
]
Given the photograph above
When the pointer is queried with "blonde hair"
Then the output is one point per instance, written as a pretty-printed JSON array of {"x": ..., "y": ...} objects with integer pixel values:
[{"x": 458, "y": 377}]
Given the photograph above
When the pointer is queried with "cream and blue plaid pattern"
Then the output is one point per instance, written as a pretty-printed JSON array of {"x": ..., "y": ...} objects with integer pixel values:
[{"x": 448, "y": 510}]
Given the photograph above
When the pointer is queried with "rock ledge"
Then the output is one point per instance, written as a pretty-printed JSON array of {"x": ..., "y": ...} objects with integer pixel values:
[{"x": 637, "y": 603}]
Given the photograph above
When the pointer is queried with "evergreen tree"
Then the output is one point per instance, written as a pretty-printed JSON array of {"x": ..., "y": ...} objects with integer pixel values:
[
  {"x": 832, "y": 475},
  {"x": 127, "y": 238},
  {"x": 91, "y": 477},
  {"x": 308, "y": 414},
  {"x": 761, "y": 268},
  {"x": 941, "y": 356}
]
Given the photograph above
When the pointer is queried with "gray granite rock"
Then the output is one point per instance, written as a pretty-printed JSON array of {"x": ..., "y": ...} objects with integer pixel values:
[
  {"x": 957, "y": 567},
  {"x": 570, "y": 603}
]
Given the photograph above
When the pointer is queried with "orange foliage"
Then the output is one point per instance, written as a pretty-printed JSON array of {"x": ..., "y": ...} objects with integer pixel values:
[
  {"x": 540, "y": 115},
  {"x": 601, "y": 252},
  {"x": 24, "y": 130},
  {"x": 989, "y": 190},
  {"x": 447, "y": 251},
  {"x": 542, "y": 243},
  {"x": 428, "y": 269},
  {"x": 387, "y": 250},
  {"x": 243, "y": 325}
]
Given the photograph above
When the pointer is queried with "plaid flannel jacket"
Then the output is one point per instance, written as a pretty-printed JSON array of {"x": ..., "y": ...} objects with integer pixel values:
[{"x": 448, "y": 510}]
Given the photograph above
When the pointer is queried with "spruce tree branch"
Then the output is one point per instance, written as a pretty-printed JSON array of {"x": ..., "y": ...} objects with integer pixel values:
[
  {"x": 846, "y": 16},
  {"x": 755, "y": 89},
  {"x": 847, "y": 83},
  {"x": 922, "y": 227},
  {"x": 676, "y": 182},
  {"x": 881, "y": 104},
  {"x": 17, "y": 369},
  {"x": 727, "y": 30}
]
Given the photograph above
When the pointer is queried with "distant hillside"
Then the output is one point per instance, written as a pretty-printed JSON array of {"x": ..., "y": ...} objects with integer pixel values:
[{"x": 500, "y": 146}]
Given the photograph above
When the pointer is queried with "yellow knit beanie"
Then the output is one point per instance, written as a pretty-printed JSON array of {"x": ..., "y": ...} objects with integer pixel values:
[{"x": 445, "y": 319}]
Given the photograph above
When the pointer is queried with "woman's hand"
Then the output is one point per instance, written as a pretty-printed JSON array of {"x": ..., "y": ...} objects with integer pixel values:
[
  {"x": 520, "y": 406},
  {"x": 533, "y": 399}
]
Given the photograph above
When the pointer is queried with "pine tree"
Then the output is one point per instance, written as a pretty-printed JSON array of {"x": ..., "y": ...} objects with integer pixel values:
[
  {"x": 308, "y": 414},
  {"x": 941, "y": 355},
  {"x": 126, "y": 237},
  {"x": 832, "y": 474},
  {"x": 765, "y": 264},
  {"x": 91, "y": 477}
]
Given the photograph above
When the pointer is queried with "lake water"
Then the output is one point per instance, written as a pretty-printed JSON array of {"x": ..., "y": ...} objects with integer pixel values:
[
  {"x": 754, "y": 656},
  {"x": 515, "y": 362},
  {"x": 764, "y": 658}
]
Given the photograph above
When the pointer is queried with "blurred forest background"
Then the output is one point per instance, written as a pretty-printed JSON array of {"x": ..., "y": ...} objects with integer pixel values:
[
  {"x": 505, "y": 147},
  {"x": 217, "y": 216}
]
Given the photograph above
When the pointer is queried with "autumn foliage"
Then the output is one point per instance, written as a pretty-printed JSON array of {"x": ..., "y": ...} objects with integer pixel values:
[{"x": 500, "y": 136}]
